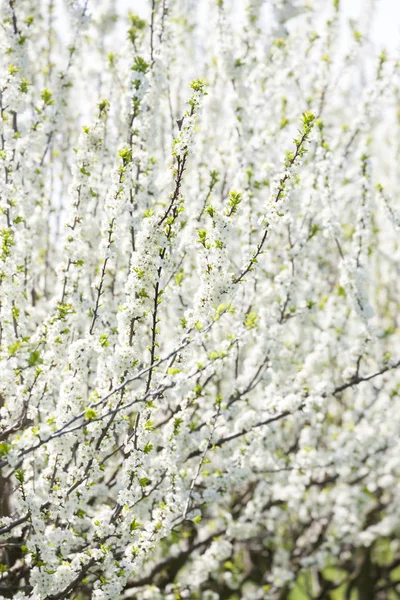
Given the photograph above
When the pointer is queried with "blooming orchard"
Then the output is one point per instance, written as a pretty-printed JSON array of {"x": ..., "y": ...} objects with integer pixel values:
[{"x": 199, "y": 299}]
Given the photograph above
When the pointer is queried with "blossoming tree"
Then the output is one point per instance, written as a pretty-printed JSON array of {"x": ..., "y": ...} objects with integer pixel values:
[{"x": 199, "y": 299}]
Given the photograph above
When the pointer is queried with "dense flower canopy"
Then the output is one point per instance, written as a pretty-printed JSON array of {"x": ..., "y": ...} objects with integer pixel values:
[{"x": 199, "y": 298}]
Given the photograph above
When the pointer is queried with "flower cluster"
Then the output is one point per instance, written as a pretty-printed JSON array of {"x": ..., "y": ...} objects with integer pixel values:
[{"x": 199, "y": 300}]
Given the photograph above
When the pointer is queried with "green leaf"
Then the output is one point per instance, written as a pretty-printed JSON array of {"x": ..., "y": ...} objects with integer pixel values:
[
  {"x": 19, "y": 475},
  {"x": 34, "y": 358},
  {"x": 144, "y": 481},
  {"x": 4, "y": 448},
  {"x": 173, "y": 371},
  {"x": 46, "y": 96},
  {"x": 199, "y": 85},
  {"x": 148, "y": 448},
  {"x": 135, "y": 525},
  {"x": 90, "y": 414}
]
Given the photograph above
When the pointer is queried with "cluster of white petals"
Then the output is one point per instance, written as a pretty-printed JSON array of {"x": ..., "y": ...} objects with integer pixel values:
[{"x": 199, "y": 303}]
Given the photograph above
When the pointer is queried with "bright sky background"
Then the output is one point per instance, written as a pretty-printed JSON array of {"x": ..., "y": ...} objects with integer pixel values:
[
  {"x": 386, "y": 20},
  {"x": 385, "y": 24}
]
